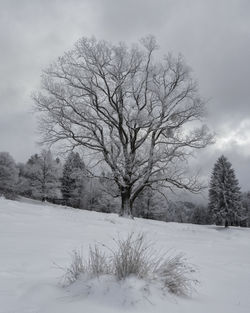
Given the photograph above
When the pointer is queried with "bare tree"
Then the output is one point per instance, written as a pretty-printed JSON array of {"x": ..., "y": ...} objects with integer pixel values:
[
  {"x": 42, "y": 175},
  {"x": 139, "y": 115}
]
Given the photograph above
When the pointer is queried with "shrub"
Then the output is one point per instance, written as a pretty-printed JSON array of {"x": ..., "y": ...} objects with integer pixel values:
[{"x": 132, "y": 256}]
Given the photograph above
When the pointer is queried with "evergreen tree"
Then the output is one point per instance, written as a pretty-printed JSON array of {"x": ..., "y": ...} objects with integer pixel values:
[
  {"x": 8, "y": 175},
  {"x": 224, "y": 194},
  {"x": 73, "y": 179}
]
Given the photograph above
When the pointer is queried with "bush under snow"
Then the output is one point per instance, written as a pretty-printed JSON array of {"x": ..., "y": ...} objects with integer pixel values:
[{"x": 133, "y": 257}]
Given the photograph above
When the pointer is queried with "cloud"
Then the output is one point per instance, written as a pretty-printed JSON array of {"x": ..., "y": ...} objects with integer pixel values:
[
  {"x": 236, "y": 137},
  {"x": 212, "y": 35}
]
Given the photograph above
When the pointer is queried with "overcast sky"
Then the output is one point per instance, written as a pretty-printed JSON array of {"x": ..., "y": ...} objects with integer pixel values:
[{"x": 213, "y": 36}]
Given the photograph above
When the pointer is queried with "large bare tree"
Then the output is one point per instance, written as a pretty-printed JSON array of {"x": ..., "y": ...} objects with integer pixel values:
[{"x": 141, "y": 115}]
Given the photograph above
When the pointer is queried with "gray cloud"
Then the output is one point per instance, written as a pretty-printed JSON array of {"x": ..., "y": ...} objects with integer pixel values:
[{"x": 213, "y": 36}]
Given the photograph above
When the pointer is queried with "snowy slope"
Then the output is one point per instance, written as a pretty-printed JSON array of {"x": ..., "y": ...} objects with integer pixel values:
[{"x": 35, "y": 237}]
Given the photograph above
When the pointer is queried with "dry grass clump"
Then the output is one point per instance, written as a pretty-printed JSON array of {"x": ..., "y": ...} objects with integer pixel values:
[
  {"x": 75, "y": 269},
  {"x": 175, "y": 274},
  {"x": 133, "y": 256},
  {"x": 98, "y": 263}
]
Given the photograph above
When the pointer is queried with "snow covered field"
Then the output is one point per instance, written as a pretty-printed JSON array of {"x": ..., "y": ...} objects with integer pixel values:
[{"x": 35, "y": 239}]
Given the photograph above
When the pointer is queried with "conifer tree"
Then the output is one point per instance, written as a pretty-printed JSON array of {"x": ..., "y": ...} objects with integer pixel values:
[
  {"x": 73, "y": 179},
  {"x": 224, "y": 194}
]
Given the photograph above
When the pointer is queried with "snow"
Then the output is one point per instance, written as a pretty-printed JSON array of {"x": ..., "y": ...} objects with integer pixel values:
[{"x": 36, "y": 239}]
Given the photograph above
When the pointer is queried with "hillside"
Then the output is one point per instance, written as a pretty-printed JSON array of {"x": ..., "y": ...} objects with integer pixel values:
[{"x": 36, "y": 239}]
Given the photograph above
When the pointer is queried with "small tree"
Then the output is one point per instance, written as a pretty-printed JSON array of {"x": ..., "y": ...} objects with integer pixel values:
[
  {"x": 151, "y": 203},
  {"x": 73, "y": 179},
  {"x": 224, "y": 194},
  {"x": 8, "y": 174},
  {"x": 140, "y": 116},
  {"x": 42, "y": 174}
]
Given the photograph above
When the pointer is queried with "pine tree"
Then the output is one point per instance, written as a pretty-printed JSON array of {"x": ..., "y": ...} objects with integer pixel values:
[
  {"x": 224, "y": 194},
  {"x": 73, "y": 179}
]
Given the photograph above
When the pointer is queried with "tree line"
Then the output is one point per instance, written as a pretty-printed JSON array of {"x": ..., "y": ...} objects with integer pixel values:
[{"x": 46, "y": 178}]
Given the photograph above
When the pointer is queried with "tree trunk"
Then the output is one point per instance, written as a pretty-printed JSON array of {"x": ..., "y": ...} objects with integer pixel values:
[
  {"x": 226, "y": 223},
  {"x": 126, "y": 205}
]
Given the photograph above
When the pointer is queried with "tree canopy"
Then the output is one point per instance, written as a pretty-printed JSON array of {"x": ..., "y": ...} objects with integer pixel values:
[{"x": 141, "y": 116}]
